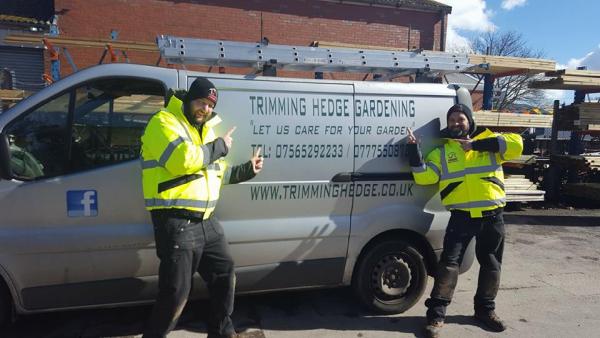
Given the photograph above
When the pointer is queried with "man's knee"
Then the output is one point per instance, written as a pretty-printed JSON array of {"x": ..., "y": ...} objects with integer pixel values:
[{"x": 445, "y": 282}]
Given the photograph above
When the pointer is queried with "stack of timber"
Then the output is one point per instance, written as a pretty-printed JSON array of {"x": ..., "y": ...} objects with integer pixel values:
[
  {"x": 586, "y": 165},
  {"x": 589, "y": 116},
  {"x": 593, "y": 161},
  {"x": 583, "y": 116},
  {"x": 520, "y": 189},
  {"x": 588, "y": 191},
  {"x": 570, "y": 80},
  {"x": 502, "y": 65},
  {"x": 488, "y": 118},
  {"x": 572, "y": 162},
  {"x": 9, "y": 97}
]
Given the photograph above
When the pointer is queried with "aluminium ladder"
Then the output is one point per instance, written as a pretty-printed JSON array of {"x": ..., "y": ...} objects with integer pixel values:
[{"x": 259, "y": 56}]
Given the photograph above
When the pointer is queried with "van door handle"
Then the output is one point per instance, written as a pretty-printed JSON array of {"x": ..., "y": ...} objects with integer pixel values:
[{"x": 342, "y": 177}]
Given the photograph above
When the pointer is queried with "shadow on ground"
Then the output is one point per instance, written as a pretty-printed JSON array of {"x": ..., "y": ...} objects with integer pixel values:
[{"x": 335, "y": 309}]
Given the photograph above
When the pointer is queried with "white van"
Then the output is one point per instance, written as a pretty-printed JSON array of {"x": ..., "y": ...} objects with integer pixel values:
[{"x": 335, "y": 204}]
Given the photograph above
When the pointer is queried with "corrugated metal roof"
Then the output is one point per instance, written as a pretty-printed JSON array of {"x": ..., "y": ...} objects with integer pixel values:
[{"x": 427, "y": 5}]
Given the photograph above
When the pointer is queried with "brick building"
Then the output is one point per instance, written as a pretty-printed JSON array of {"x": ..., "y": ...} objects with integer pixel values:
[
  {"x": 401, "y": 24},
  {"x": 389, "y": 23}
]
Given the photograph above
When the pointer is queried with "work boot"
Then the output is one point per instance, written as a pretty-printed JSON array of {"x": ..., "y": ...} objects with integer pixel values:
[
  {"x": 491, "y": 320},
  {"x": 433, "y": 327}
]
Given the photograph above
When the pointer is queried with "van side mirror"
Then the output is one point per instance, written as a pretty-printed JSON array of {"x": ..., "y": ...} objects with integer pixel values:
[{"x": 5, "y": 168}]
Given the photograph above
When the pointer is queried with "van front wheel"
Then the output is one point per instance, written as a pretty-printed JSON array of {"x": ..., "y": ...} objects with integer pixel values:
[{"x": 391, "y": 277}]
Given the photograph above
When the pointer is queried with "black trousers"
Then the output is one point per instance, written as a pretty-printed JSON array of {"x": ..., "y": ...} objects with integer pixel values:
[
  {"x": 489, "y": 233},
  {"x": 185, "y": 245}
]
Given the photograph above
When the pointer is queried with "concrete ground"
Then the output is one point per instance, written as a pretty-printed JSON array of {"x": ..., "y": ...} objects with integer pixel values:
[{"x": 549, "y": 288}]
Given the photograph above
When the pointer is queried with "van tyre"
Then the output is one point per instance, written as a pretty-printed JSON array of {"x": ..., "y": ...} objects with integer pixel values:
[{"x": 390, "y": 277}]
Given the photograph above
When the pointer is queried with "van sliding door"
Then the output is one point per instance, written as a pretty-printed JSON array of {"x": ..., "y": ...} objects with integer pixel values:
[
  {"x": 385, "y": 195},
  {"x": 289, "y": 226}
]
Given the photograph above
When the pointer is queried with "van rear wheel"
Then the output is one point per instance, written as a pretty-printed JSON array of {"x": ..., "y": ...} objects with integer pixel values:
[{"x": 391, "y": 277}]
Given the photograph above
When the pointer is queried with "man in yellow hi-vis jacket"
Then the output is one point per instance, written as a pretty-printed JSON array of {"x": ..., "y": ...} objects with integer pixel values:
[
  {"x": 468, "y": 170},
  {"x": 182, "y": 173}
]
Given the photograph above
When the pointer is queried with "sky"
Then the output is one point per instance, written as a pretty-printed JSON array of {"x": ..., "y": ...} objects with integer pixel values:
[{"x": 564, "y": 31}]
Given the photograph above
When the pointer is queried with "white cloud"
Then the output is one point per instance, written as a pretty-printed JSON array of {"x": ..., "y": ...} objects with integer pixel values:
[
  {"x": 467, "y": 15},
  {"x": 591, "y": 60},
  {"x": 457, "y": 43},
  {"x": 510, "y": 4}
]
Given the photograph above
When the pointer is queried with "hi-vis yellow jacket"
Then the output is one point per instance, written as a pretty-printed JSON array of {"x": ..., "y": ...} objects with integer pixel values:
[
  {"x": 176, "y": 163},
  {"x": 471, "y": 181}
]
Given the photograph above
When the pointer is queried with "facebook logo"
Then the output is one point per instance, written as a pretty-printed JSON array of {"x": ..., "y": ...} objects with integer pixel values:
[{"x": 82, "y": 203}]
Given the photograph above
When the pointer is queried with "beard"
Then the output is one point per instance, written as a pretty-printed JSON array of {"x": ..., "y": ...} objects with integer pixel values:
[
  {"x": 457, "y": 133},
  {"x": 191, "y": 117}
]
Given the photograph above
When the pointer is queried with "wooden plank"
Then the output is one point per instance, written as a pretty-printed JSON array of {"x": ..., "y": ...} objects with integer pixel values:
[
  {"x": 331, "y": 44},
  {"x": 11, "y": 94},
  {"x": 500, "y": 119},
  {"x": 579, "y": 79},
  {"x": 507, "y": 64},
  {"x": 574, "y": 72},
  {"x": 549, "y": 84},
  {"x": 80, "y": 42}
]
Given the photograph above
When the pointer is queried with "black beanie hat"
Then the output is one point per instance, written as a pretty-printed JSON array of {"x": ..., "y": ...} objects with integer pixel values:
[
  {"x": 459, "y": 107},
  {"x": 202, "y": 88}
]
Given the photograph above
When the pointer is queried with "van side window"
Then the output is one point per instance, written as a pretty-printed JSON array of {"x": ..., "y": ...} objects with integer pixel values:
[
  {"x": 109, "y": 119},
  {"x": 101, "y": 125},
  {"x": 38, "y": 140}
]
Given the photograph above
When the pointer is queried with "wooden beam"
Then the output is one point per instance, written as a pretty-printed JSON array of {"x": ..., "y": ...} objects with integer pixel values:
[
  {"x": 80, "y": 42},
  {"x": 573, "y": 72},
  {"x": 552, "y": 84},
  {"x": 490, "y": 118},
  {"x": 11, "y": 94}
]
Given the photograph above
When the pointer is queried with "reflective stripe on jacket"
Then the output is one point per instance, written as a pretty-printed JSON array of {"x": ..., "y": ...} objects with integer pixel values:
[
  {"x": 472, "y": 181},
  {"x": 176, "y": 168}
]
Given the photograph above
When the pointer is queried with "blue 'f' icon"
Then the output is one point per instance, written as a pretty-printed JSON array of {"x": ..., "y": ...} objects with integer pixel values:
[{"x": 82, "y": 203}]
